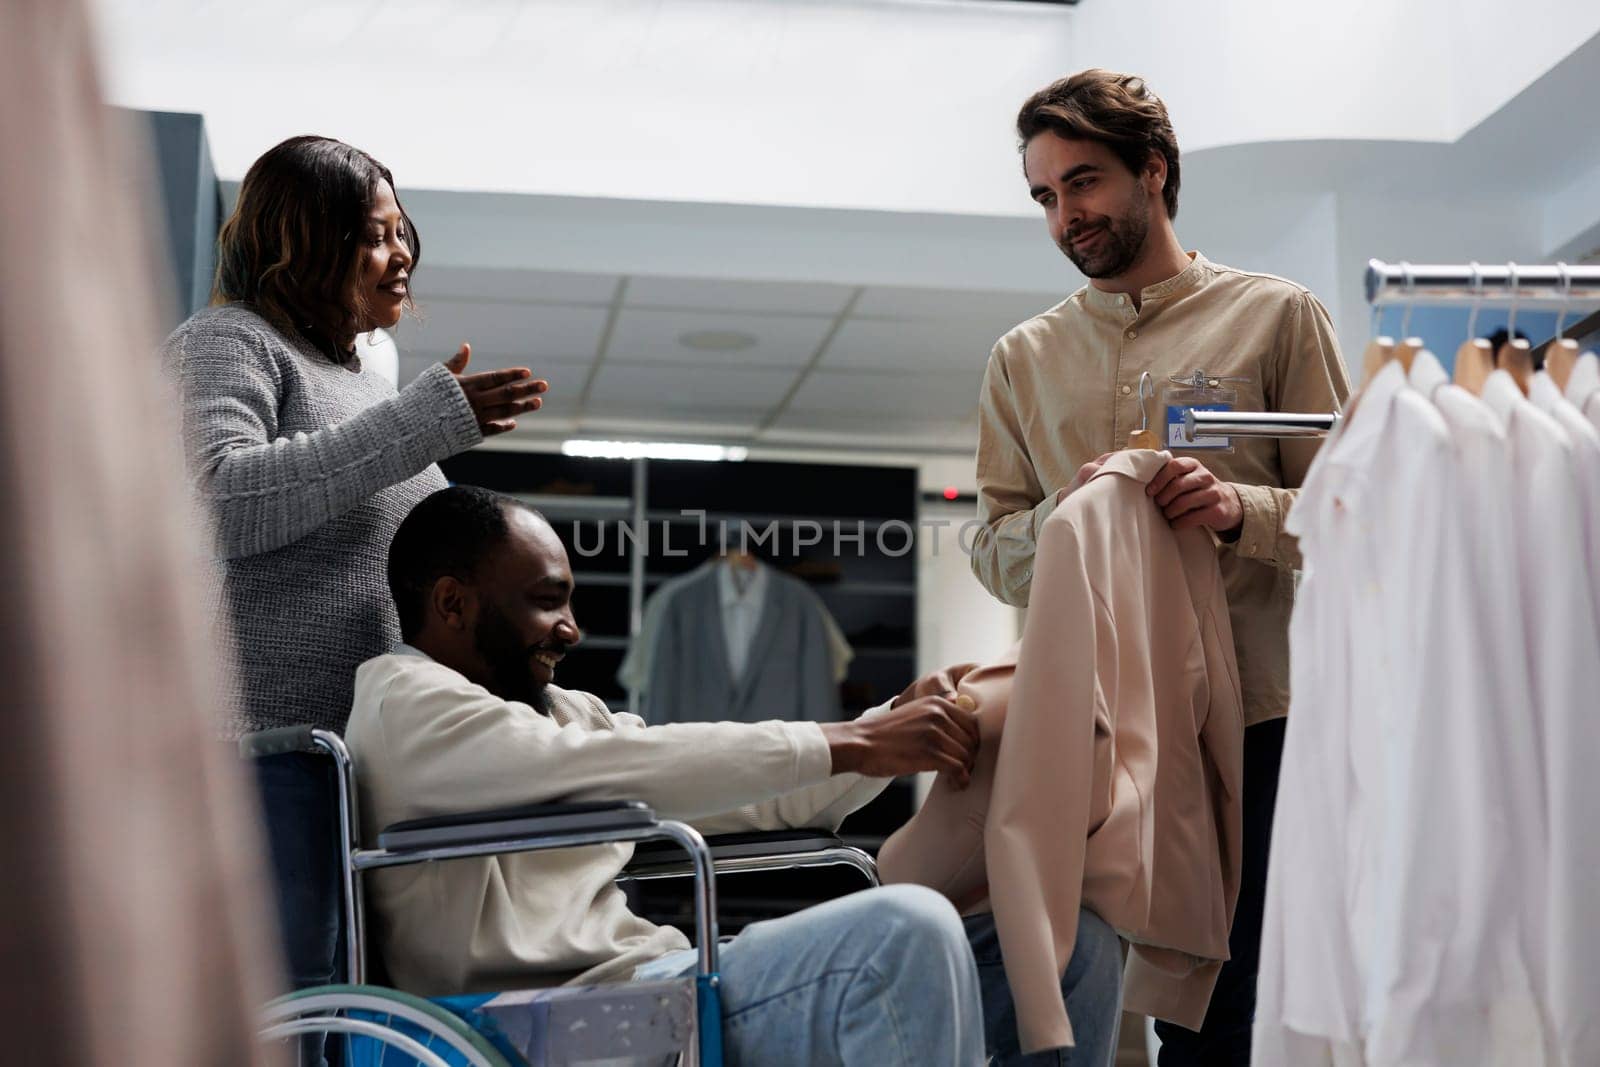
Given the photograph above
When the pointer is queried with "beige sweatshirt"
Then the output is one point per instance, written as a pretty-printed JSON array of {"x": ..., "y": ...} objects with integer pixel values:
[
  {"x": 1111, "y": 763},
  {"x": 426, "y": 741}
]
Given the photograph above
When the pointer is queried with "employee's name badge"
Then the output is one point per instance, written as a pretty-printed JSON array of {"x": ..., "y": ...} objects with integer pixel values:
[
  {"x": 1177, "y": 419},
  {"x": 1197, "y": 391}
]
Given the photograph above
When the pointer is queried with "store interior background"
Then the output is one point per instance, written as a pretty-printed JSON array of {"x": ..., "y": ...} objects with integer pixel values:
[{"x": 797, "y": 227}]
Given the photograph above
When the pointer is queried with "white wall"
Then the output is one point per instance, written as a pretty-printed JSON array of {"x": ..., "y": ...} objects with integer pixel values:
[
  {"x": 1422, "y": 229},
  {"x": 869, "y": 143},
  {"x": 957, "y": 620}
]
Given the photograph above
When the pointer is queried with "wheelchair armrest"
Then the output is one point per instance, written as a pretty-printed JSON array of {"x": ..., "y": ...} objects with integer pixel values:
[
  {"x": 278, "y": 741},
  {"x": 773, "y": 844},
  {"x": 506, "y": 824}
]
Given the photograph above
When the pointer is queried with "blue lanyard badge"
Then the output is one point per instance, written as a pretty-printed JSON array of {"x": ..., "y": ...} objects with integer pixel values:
[{"x": 1175, "y": 428}]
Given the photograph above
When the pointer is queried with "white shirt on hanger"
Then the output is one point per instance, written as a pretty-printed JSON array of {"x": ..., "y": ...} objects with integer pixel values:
[
  {"x": 743, "y": 595},
  {"x": 1467, "y": 880},
  {"x": 1562, "y": 637},
  {"x": 1307, "y": 990},
  {"x": 1371, "y": 518},
  {"x": 1547, "y": 397},
  {"x": 1583, "y": 388}
]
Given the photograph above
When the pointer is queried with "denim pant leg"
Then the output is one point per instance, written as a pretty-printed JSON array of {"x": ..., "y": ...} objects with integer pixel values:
[
  {"x": 300, "y": 806},
  {"x": 1224, "y": 1037},
  {"x": 1091, "y": 988},
  {"x": 880, "y": 978}
]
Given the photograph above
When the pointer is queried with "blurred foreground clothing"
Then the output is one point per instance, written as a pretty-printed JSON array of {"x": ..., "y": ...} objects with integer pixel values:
[{"x": 135, "y": 931}]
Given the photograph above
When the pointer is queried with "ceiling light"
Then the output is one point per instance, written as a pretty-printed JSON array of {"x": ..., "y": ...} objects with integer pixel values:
[
  {"x": 651, "y": 450},
  {"x": 717, "y": 340}
]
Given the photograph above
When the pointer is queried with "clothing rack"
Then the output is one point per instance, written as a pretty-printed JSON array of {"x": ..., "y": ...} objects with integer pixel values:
[
  {"x": 1256, "y": 424},
  {"x": 1441, "y": 284},
  {"x": 1480, "y": 284}
]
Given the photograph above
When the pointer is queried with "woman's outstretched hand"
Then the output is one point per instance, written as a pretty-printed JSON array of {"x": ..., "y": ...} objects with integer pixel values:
[{"x": 497, "y": 396}]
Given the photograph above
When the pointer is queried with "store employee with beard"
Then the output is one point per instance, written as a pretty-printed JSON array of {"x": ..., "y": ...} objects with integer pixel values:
[{"x": 1062, "y": 390}]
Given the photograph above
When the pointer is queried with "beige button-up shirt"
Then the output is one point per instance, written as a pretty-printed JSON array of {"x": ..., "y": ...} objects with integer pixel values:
[{"x": 1063, "y": 388}]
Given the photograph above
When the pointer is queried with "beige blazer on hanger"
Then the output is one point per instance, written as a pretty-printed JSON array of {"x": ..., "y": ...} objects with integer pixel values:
[{"x": 1110, "y": 765}]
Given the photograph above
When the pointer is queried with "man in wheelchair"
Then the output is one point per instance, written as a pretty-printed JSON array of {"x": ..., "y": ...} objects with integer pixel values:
[{"x": 466, "y": 716}]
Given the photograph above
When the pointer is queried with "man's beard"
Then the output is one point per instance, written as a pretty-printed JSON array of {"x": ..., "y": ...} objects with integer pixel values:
[
  {"x": 508, "y": 659},
  {"x": 1121, "y": 244}
]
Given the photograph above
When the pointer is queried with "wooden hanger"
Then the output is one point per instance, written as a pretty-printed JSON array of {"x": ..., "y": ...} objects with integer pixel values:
[
  {"x": 1474, "y": 364},
  {"x": 1475, "y": 357},
  {"x": 1515, "y": 356},
  {"x": 1373, "y": 358},
  {"x": 1405, "y": 351},
  {"x": 1379, "y": 349},
  {"x": 1559, "y": 359},
  {"x": 1144, "y": 436},
  {"x": 1561, "y": 355},
  {"x": 1516, "y": 359}
]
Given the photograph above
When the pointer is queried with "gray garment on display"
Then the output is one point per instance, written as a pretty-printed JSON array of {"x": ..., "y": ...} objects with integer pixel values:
[
  {"x": 789, "y": 674},
  {"x": 307, "y": 468}
]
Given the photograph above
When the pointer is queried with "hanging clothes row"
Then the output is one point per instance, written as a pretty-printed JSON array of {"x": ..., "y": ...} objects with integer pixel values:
[{"x": 1429, "y": 894}]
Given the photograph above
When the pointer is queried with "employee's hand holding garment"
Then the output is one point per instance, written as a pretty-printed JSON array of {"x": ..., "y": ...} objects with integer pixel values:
[{"x": 1190, "y": 495}]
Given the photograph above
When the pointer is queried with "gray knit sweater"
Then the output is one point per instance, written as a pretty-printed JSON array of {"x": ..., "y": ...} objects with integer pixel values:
[{"x": 307, "y": 468}]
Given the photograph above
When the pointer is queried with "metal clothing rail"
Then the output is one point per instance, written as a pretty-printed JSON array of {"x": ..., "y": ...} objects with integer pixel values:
[
  {"x": 1481, "y": 284},
  {"x": 1256, "y": 424},
  {"x": 1467, "y": 284}
]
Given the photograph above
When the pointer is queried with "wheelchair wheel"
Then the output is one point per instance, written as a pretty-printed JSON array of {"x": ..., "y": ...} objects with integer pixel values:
[{"x": 378, "y": 1025}]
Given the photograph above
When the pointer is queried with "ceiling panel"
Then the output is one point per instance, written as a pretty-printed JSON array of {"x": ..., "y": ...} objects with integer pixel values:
[
  {"x": 793, "y": 298},
  {"x": 504, "y": 335},
  {"x": 939, "y": 398},
  {"x": 655, "y": 337},
  {"x": 915, "y": 345},
  {"x": 543, "y": 286},
  {"x": 903, "y": 370},
  {"x": 1001, "y": 310},
  {"x": 665, "y": 387}
]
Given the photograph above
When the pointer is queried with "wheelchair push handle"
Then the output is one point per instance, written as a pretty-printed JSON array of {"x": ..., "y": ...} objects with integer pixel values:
[{"x": 277, "y": 742}]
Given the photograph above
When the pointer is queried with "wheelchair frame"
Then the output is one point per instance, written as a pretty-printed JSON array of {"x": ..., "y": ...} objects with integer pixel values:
[{"x": 774, "y": 851}]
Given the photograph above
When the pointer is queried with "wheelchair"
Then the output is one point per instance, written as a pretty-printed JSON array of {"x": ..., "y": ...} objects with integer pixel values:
[{"x": 673, "y": 1021}]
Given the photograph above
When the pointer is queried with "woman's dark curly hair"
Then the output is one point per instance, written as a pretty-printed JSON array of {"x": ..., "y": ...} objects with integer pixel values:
[{"x": 292, "y": 248}]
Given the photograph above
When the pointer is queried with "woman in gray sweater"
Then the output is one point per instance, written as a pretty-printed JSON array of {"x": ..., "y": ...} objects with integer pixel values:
[{"x": 308, "y": 462}]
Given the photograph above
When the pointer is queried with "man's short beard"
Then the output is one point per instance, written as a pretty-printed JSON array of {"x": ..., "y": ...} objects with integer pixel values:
[
  {"x": 1120, "y": 247},
  {"x": 508, "y": 659}
]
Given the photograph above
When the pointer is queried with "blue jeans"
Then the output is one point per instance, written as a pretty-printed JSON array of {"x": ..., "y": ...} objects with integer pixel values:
[
  {"x": 1091, "y": 987},
  {"x": 882, "y": 978}
]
